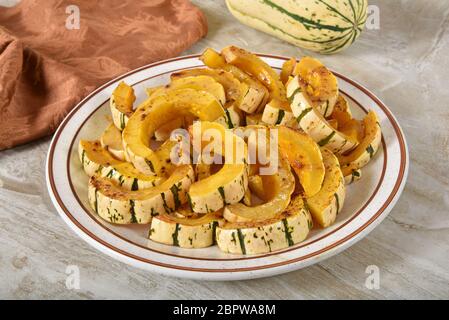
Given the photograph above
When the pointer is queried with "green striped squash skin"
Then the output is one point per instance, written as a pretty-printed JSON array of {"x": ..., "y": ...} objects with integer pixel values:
[
  {"x": 277, "y": 235},
  {"x": 322, "y": 26}
]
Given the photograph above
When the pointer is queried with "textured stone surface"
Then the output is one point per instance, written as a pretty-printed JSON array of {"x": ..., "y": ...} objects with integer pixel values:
[{"x": 404, "y": 63}]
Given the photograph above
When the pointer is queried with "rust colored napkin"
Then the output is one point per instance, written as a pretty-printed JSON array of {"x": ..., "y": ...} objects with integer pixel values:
[{"x": 46, "y": 68}]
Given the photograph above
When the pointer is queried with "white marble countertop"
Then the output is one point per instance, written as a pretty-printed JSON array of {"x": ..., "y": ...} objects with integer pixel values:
[{"x": 405, "y": 63}]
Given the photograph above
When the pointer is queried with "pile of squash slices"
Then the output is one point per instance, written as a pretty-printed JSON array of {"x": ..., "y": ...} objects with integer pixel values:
[{"x": 321, "y": 148}]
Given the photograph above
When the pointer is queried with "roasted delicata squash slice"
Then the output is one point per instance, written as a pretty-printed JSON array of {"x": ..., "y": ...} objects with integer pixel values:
[
  {"x": 213, "y": 59},
  {"x": 287, "y": 70},
  {"x": 193, "y": 232},
  {"x": 282, "y": 231},
  {"x": 164, "y": 155},
  {"x": 254, "y": 119},
  {"x": 314, "y": 124},
  {"x": 119, "y": 205},
  {"x": 164, "y": 132},
  {"x": 230, "y": 118},
  {"x": 98, "y": 161},
  {"x": 253, "y": 65},
  {"x": 369, "y": 145},
  {"x": 328, "y": 202},
  {"x": 233, "y": 118},
  {"x": 111, "y": 140},
  {"x": 351, "y": 173},
  {"x": 302, "y": 153},
  {"x": 121, "y": 104},
  {"x": 154, "y": 113},
  {"x": 230, "y": 92},
  {"x": 318, "y": 83},
  {"x": 203, "y": 171},
  {"x": 254, "y": 95},
  {"x": 341, "y": 112},
  {"x": 256, "y": 186},
  {"x": 277, "y": 190},
  {"x": 94, "y": 157},
  {"x": 278, "y": 113},
  {"x": 232, "y": 86},
  {"x": 200, "y": 83},
  {"x": 129, "y": 177},
  {"x": 304, "y": 157},
  {"x": 229, "y": 184},
  {"x": 354, "y": 176}
]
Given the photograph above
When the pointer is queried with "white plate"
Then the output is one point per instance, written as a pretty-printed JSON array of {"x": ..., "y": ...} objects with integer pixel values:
[{"x": 367, "y": 203}]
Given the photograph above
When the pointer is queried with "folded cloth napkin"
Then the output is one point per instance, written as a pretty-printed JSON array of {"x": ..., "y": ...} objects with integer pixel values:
[{"x": 48, "y": 64}]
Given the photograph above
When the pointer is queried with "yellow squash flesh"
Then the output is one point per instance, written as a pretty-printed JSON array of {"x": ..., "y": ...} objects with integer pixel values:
[
  {"x": 156, "y": 112},
  {"x": 287, "y": 70},
  {"x": 252, "y": 64},
  {"x": 255, "y": 95},
  {"x": 318, "y": 83},
  {"x": 111, "y": 140},
  {"x": 328, "y": 202},
  {"x": 368, "y": 146},
  {"x": 199, "y": 83},
  {"x": 305, "y": 158},
  {"x": 97, "y": 160},
  {"x": 280, "y": 198},
  {"x": 231, "y": 85},
  {"x": 121, "y": 104},
  {"x": 229, "y": 184}
]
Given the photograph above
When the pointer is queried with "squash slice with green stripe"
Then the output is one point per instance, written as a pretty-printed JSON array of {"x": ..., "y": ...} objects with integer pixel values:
[
  {"x": 253, "y": 65},
  {"x": 314, "y": 124},
  {"x": 121, "y": 104},
  {"x": 199, "y": 83},
  {"x": 278, "y": 113},
  {"x": 98, "y": 161},
  {"x": 154, "y": 113},
  {"x": 111, "y": 140},
  {"x": 207, "y": 84},
  {"x": 253, "y": 96},
  {"x": 328, "y": 202},
  {"x": 94, "y": 157},
  {"x": 118, "y": 205},
  {"x": 234, "y": 89},
  {"x": 318, "y": 84},
  {"x": 368, "y": 146},
  {"x": 185, "y": 232},
  {"x": 229, "y": 184},
  {"x": 278, "y": 232},
  {"x": 354, "y": 176}
]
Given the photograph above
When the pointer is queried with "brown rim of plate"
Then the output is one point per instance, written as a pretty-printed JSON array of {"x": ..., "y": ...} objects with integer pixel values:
[{"x": 117, "y": 250}]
